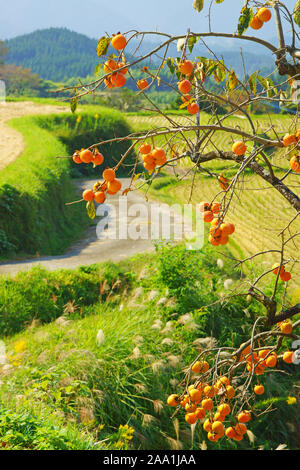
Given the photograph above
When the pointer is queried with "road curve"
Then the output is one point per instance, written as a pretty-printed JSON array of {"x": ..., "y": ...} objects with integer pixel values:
[
  {"x": 11, "y": 141},
  {"x": 92, "y": 249}
]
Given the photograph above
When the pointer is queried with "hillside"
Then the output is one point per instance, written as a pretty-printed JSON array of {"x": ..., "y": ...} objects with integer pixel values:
[
  {"x": 90, "y": 371},
  {"x": 59, "y": 54},
  {"x": 54, "y": 54}
]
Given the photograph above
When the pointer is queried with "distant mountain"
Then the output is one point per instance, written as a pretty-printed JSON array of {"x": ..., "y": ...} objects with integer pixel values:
[
  {"x": 54, "y": 54},
  {"x": 59, "y": 54}
]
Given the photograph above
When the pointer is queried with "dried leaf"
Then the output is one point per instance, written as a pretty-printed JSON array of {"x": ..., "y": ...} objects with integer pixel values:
[
  {"x": 102, "y": 45},
  {"x": 180, "y": 44},
  {"x": 90, "y": 207},
  {"x": 126, "y": 191},
  {"x": 198, "y": 5},
  {"x": 251, "y": 436},
  {"x": 232, "y": 81},
  {"x": 281, "y": 447},
  {"x": 203, "y": 445}
]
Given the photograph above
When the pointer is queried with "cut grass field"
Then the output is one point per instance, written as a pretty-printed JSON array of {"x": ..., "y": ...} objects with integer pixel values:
[
  {"x": 222, "y": 140},
  {"x": 253, "y": 214},
  {"x": 257, "y": 210},
  {"x": 66, "y": 386}
]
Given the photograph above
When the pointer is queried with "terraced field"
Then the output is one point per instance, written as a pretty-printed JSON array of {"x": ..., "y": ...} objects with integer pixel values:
[
  {"x": 253, "y": 214},
  {"x": 259, "y": 213},
  {"x": 221, "y": 140}
]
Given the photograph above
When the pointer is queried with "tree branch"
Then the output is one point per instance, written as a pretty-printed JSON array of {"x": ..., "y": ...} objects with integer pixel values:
[
  {"x": 288, "y": 313},
  {"x": 286, "y": 192}
]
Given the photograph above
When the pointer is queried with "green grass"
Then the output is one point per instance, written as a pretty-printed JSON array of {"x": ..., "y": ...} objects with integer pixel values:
[
  {"x": 89, "y": 126},
  {"x": 44, "y": 295},
  {"x": 39, "y": 100},
  {"x": 23, "y": 430},
  {"x": 35, "y": 188},
  {"x": 59, "y": 369},
  {"x": 33, "y": 193},
  {"x": 253, "y": 213}
]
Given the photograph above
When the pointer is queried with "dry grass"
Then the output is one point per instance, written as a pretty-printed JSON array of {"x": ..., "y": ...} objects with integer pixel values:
[{"x": 259, "y": 213}]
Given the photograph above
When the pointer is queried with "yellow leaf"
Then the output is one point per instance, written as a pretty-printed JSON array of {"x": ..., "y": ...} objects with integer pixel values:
[
  {"x": 296, "y": 296},
  {"x": 136, "y": 176},
  {"x": 174, "y": 152},
  {"x": 291, "y": 400},
  {"x": 20, "y": 346},
  {"x": 184, "y": 105},
  {"x": 126, "y": 191}
]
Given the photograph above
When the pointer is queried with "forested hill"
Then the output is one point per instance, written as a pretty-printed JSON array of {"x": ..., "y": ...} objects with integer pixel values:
[
  {"x": 58, "y": 54},
  {"x": 54, "y": 54}
]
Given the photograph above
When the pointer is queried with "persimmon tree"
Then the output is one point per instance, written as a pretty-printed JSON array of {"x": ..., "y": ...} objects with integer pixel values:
[{"x": 221, "y": 384}]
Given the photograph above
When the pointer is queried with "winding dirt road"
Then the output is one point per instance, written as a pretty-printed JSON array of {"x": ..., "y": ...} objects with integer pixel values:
[
  {"x": 126, "y": 226},
  {"x": 98, "y": 243},
  {"x": 12, "y": 142}
]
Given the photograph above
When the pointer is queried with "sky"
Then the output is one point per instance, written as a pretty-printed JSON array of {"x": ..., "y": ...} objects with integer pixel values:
[{"x": 94, "y": 17}]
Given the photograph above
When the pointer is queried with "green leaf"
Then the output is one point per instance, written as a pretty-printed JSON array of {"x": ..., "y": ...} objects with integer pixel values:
[
  {"x": 73, "y": 104},
  {"x": 268, "y": 85},
  {"x": 253, "y": 82},
  {"x": 198, "y": 5},
  {"x": 147, "y": 177},
  {"x": 102, "y": 45},
  {"x": 220, "y": 72},
  {"x": 170, "y": 64},
  {"x": 90, "y": 207},
  {"x": 210, "y": 67},
  {"x": 244, "y": 20},
  {"x": 296, "y": 13},
  {"x": 192, "y": 41},
  {"x": 97, "y": 69}
]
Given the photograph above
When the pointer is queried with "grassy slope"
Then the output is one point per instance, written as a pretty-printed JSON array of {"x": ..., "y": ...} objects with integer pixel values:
[
  {"x": 90, "y": 125},
  {"x": 92, "y": 389},
  {"x": 35, "y": 188}
]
